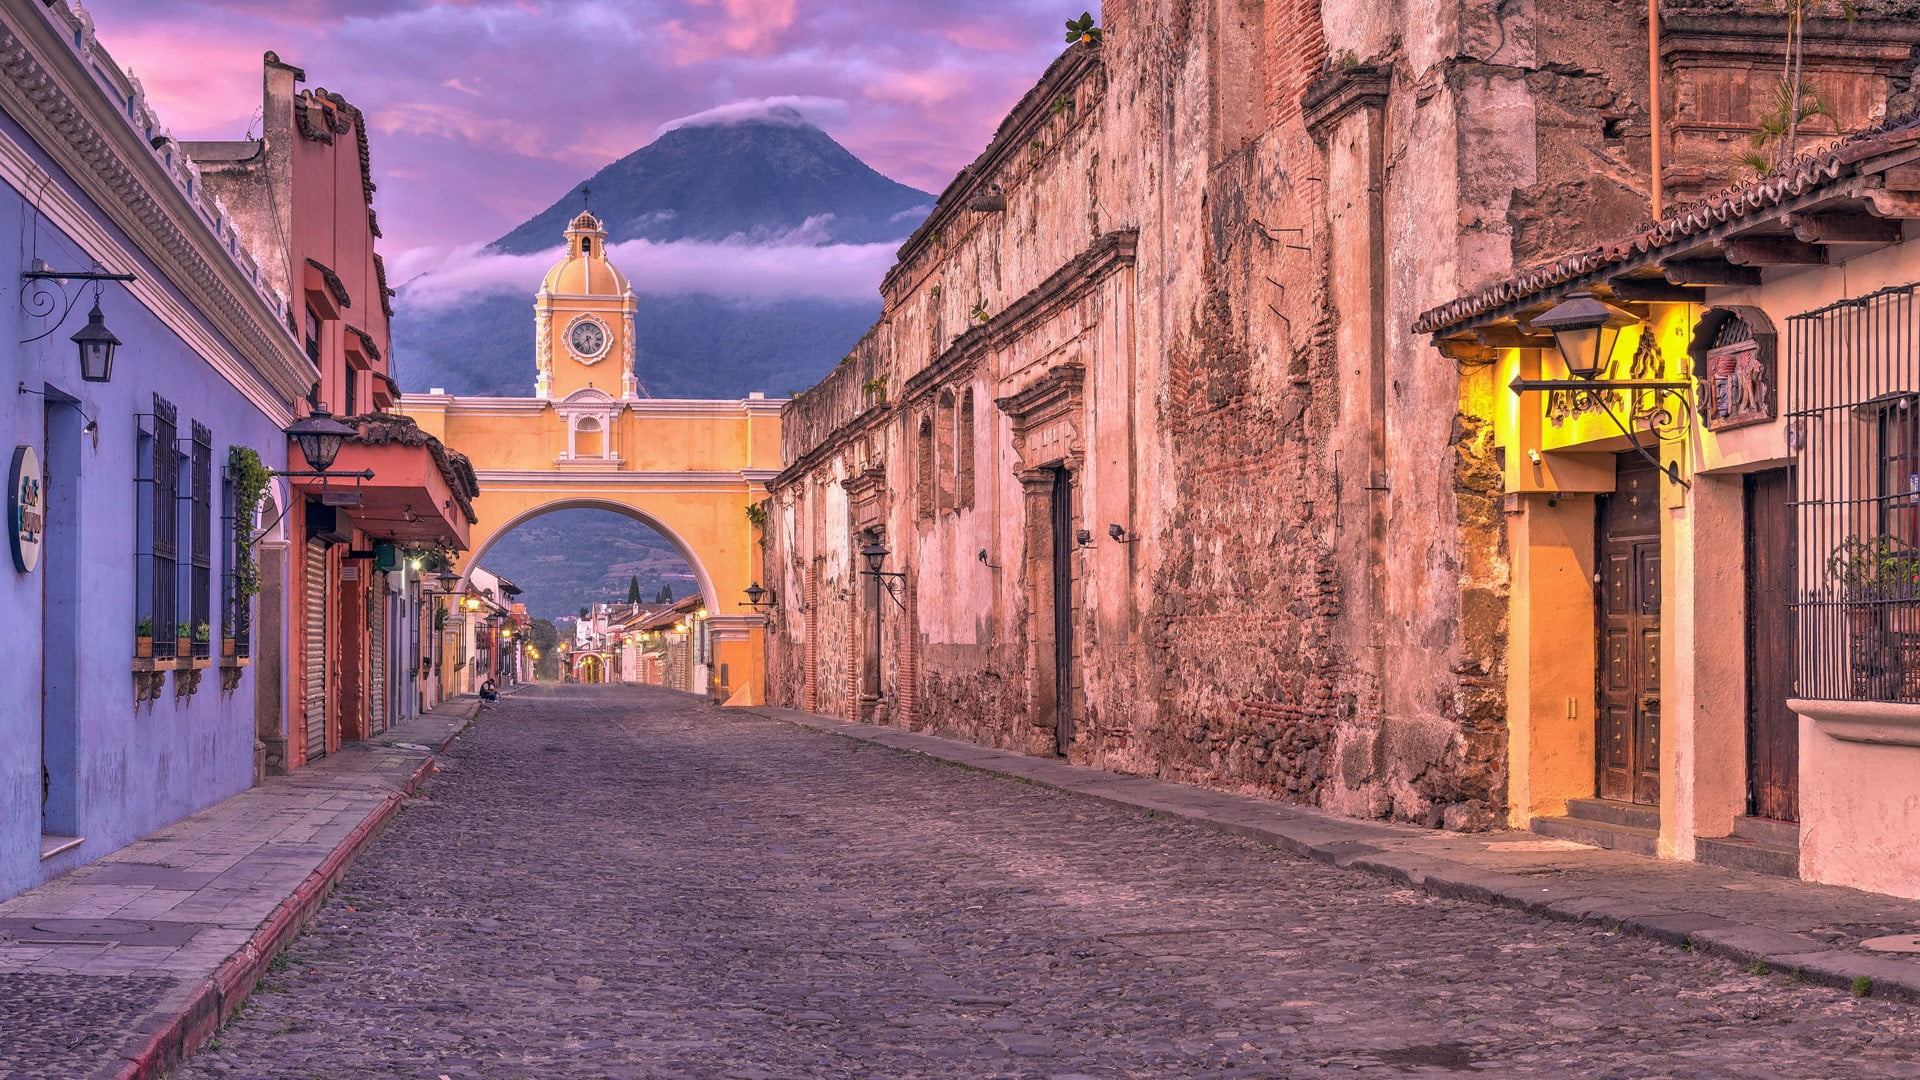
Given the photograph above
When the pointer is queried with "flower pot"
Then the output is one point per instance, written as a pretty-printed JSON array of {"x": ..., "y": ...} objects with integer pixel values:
[
  {"x": 143, "y": 647},
  {"x": 227, "y": 647},
  {"x": 183, "y": 647}
]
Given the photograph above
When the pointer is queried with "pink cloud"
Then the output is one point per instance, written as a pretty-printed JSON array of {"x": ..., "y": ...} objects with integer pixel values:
[{"x": 473, "y": 132}]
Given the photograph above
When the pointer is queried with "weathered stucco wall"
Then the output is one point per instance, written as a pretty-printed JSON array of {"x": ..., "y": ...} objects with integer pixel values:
[{"x": 1183, "y": 273}]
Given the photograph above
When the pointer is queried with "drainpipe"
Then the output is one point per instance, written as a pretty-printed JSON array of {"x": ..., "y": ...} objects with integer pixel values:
[{"x": 1653, "y": 92}]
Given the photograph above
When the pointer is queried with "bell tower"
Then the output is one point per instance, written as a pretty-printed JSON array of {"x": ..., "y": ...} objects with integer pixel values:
[{"x": 583, "y": 320}]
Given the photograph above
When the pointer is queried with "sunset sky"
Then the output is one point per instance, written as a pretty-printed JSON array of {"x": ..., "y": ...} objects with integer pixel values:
[{"x": 483, "y": 112}]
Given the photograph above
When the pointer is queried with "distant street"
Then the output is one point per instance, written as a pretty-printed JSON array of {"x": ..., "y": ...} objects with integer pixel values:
[{"x": 624, "y": 882}]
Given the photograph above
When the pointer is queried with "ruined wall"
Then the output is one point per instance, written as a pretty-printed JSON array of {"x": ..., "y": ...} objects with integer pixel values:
[{"x": 1184, "y": 272}]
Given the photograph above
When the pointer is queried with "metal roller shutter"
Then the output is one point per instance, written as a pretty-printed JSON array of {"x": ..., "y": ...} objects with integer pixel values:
[
  {"x": 314, "y": 659},
  {"x": 377, "y": 655}
]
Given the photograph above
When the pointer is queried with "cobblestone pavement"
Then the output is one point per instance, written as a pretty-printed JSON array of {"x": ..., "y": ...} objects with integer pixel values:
[{"x": 617, "y": 882}]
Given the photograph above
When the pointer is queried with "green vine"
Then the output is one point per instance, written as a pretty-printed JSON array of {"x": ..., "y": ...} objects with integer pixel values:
[
  {"x": 757, "y": 515},
  {"x": 250, "y": 478}
]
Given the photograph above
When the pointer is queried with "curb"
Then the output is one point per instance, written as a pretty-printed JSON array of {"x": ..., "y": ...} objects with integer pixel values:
[
  {"x": 1805, "y": 958},
  {"x": 212, "y": 1001}
]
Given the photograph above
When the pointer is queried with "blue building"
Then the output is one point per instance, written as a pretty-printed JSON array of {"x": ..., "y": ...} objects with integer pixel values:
[{"x": 137, "y": 668}]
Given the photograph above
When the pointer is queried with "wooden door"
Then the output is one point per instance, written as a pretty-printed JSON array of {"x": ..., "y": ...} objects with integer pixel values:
[
  {"x": 1773, "y": 730},
  {"x": 1628, "y": 719},
  {"x": 1063, "y": 674}
]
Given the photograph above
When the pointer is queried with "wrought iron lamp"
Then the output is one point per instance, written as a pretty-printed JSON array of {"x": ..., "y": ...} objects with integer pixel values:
[
  {"x": 876, "y": 555},
  {"x": 320, "y": 437},
  {"x": 97, "y": 345},
  {"x": 759, "y": 599},
  {"x": 43, "y": 295},
  {"x": 1585, "y": 330}
]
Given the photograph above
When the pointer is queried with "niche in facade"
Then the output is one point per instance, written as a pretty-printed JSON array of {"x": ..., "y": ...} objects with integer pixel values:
[{"x": 1734, "y": 360}]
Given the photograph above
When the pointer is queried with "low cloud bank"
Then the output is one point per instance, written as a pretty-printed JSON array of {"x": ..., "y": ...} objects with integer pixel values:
[
  {"x": 793, "y": 110},
  {"x": 730, "y": 269}
]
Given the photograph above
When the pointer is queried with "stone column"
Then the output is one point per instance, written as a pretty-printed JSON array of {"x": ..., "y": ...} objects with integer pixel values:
[{"x": 268, "y": 663}]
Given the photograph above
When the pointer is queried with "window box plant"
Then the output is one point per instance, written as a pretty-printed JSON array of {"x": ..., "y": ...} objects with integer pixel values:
[
  {"x": 1879, "y": 581},
  {"x": 143, "y": 638},
  {"x": 183, "y": 640}
]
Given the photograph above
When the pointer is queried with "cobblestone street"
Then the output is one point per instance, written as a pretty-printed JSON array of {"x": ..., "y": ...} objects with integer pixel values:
[{"x": 619, "y": 882}]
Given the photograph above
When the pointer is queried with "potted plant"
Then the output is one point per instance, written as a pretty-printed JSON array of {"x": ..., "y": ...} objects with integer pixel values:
[
  {"x": 183, "y": 639},
  {"x": 1879, "y": 580},
  {"x": 143, "y": 637}
]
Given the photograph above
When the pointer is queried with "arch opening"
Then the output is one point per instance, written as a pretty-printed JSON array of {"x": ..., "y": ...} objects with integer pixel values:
[{"x": 702, "y": 580}]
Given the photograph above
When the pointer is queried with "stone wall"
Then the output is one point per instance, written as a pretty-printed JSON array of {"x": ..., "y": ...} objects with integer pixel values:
[{"x": 1183, "y": 275}]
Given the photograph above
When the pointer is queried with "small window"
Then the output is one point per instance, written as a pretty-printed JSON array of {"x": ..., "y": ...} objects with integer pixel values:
[
  {"x": 353, "y": 396},
  {"x": 313, "y": 336}
]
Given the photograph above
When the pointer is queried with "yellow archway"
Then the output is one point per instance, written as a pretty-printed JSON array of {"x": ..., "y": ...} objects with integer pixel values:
[
  {"x": 590, "y": 437},
  {"x": 687, "y": 469}
]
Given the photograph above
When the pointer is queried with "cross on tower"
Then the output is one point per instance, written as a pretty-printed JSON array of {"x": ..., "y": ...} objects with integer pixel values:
[{"x": 586, "y": 199}]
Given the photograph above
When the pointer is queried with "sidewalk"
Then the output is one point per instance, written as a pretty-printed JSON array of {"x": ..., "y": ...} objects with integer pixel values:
[
  {"x": 1816, "y": 932},
  {"x": 125, "y": 966}
]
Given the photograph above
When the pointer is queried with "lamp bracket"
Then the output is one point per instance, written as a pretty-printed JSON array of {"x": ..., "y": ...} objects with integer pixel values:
[
  {"x": 1669, "y": 417},
  {"x": 49, "y": 293}
]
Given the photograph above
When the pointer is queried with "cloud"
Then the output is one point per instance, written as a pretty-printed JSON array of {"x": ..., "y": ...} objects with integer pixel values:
[
  {"x": 483, "y": 111},
  {"x": 736, "y": 270},
  {"x": 792, "y": 110}
]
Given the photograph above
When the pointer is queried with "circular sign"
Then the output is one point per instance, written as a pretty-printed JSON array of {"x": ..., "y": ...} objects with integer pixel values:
[{"x": 26, "y": 508}]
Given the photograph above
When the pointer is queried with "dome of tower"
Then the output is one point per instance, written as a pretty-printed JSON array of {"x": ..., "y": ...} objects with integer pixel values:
[{"x": 585, "y": 270}]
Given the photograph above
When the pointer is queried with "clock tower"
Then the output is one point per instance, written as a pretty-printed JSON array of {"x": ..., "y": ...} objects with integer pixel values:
[{"x": 583, "y": 320}]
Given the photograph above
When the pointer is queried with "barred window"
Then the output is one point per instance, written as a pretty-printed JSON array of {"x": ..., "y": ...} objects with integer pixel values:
[
  {"x": 1854, "y": 422},
  {"x": 200, "y": 570},
  {"x": 157, "y": 486}
]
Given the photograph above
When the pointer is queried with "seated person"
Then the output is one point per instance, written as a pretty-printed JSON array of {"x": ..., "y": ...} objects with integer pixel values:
[{"x": 488, "y": 692}]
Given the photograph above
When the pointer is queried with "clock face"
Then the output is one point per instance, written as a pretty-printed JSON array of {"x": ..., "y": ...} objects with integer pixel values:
[{"x": 588, "y": 339}]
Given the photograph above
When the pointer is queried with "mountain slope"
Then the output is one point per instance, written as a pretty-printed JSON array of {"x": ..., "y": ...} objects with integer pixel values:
[
  {"x": 754, "y": 179},
  {"x": 745, "y": 182}
]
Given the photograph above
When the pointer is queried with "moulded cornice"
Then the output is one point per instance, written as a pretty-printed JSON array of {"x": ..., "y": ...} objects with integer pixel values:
[
  {"x": 47, "y": 88},
  {"x": 1340, "y": 92}
]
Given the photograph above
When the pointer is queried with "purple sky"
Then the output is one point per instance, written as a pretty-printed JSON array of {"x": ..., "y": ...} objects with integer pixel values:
[{"x": 485, "y": 111}]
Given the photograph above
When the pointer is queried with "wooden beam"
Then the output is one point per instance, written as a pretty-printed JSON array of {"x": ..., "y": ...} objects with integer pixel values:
[
  {"x": 1772, "y": 251},
  {"x": 1903, "y": 177},
  {"x": 1511, "y": 337},
  {"x": 1844, "y": 229},
  {"x": 1710, "y": 272},
  {"x": 1656, "y": 291}
]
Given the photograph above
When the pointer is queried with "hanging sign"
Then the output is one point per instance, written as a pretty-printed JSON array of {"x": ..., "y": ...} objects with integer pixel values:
[{"x": 26, "y": 508}]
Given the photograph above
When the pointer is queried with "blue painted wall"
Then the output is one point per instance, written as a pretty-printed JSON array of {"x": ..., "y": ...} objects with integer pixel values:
[{"x": 68, "y": 626}]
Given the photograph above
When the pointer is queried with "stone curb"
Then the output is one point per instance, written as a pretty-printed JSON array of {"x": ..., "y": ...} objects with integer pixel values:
[
  {"x": 1341, "y": 842},
  {"x": 191, "y": 1017}
]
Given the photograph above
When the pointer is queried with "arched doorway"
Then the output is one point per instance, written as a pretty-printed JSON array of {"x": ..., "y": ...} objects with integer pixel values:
[{"x": 589, "y": 669}]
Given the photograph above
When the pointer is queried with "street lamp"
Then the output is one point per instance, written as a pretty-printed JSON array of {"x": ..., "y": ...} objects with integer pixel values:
[
  {"x": 320, "y": 437},
  {"x": 759, "y": 598},
  {"x": 876, "y": 554},
  {"x": 1585, "y": 329},
  {"x": 447, "y": 579},
  {"x": 96, "y": 344}
]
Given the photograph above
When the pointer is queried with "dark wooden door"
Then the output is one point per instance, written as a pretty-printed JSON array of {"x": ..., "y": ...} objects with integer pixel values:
[
  {"x": 1062, "y": 610},
  {"x": 1628, "y": 719},
  {"x": 1773, "y": 731}
]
